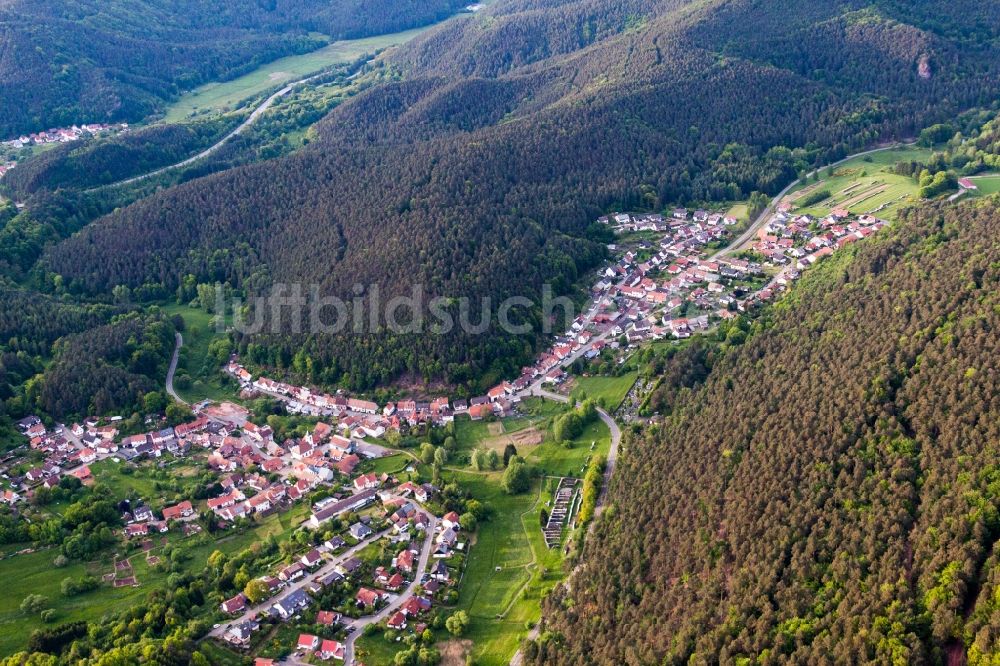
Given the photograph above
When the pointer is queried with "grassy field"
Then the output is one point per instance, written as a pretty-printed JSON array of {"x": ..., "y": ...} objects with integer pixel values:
[
  {"x": 561, "y": 460},
  {"x": 139, "y": 482},
  {"x": 389, "y": 464},
  {"x": 535, "y": 415},
  {"x": 498, "y": 568},
  {"x": 207, "y": 381},
  {"x": 987, "y": 184},
  {"x": 225, "y": 95},
  {"x": 864, "y": 184},
  {"x": 509, "y": 568},
  {"x": 610, "y": 391},
  {"x": 376, "y": 651},
  {"x": 739, "y": 211},
  {"x": 34, "y": 574}
]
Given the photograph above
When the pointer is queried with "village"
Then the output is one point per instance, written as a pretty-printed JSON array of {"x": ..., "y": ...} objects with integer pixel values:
[
  {"x": 672, "y": 277},
  {"x": 56, "y": 136},
  {"x": 365, "y": 510},
  {"x": 670, "y": 287}
]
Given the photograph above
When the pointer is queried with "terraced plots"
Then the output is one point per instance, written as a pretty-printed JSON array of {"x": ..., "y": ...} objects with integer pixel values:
[
  {"x": 562, "y": 509},
  {"x": 863, "y": 185}
]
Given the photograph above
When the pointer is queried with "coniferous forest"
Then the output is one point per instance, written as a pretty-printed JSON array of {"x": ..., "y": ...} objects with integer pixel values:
[
  {"x": 829, "y": 494},
  {"x": 817, "y": 482}
]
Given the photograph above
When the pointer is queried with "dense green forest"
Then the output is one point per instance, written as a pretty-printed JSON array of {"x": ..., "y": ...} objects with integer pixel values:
[
  {"x": 828, "y": 491},
  {"x": 73, "y": 61},
  {"x": 479, "y": 179},
  {"x": 30, "y": 326},
  {"x": 105, "y": 369},
  {"x": 65, "y": 359}
]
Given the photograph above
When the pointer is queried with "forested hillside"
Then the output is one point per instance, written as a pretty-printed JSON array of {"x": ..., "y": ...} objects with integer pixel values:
[
  {"x": 109, "y": 160},
  {"x": 74, "y": 61},
  {"x": 477, "y": 173},
  {"x": 830, "y": 493},
  {"x": 105, "y": 369}
]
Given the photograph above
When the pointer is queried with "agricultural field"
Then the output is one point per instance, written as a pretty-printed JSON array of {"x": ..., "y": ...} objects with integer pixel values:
[
  {"x": 223, "y": 96},
  {"x": 862, "y": 185}
]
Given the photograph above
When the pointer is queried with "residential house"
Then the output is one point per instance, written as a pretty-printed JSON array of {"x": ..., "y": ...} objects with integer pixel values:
[
  {"x": 331, "y": 649},
  {"x": 397, "y": 621},
  {"x": 182, "y": 510},
  {"x": 292, "y": 603},
  {"x": 307, "y": 642},
  {"x": 312, "y": 558},
  {"x": 328, "y": 618},
  {"x": 367, "y": 598},
  {"x": 234, "y": 605},
  {"x": 360, "y": 531}
]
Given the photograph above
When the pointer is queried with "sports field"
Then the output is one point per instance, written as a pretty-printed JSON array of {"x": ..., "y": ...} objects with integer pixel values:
[
  {"x": 223, "y": 96},
  {"x": 986, "y": 185},
  {"x": 863, "y": 185}
]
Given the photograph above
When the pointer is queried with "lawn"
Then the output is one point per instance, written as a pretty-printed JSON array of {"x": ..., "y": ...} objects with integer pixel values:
[
  {"x": 501, "y": 542},
  {"x": 219, "y": 655},
  {"x": 609, "y": 391},
  {"x": 389, "y": 464},
  {"x": 865, "y": 185},
  {"x": 110, "y": 473},
  {"x": 374, "y": 650},
  {"x": 510, "y": 569},
  {"x": 207, "y": 380},
  {"x": 559, "y": 460},
  {"x": 223, "y": 96}
]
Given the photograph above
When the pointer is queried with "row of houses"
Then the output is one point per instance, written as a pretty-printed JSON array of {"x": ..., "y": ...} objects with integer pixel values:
[
  {"x": 356, "y": 417},
  {"x": 64, "y": 134}
]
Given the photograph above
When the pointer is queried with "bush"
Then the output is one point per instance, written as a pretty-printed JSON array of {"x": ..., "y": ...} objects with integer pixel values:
[
  {"x": 814, "y": 198},
  {"x": 34, "y": 603}
]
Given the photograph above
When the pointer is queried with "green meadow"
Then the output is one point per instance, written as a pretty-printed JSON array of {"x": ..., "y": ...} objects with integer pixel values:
[
  {"x": 222, "y": 96},
  {"x": 986, "y": 185},
  {"x": 609, "y": 391},
  {"x": 34, "y": 573},
  {"x": 207, "y": 380}
]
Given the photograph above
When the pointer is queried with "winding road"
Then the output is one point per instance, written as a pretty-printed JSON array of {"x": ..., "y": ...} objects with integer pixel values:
[
  {"x": 766, "y": 214},
  {"x": 178, "y": 343},
  {"x": 250, "y": 120}
]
